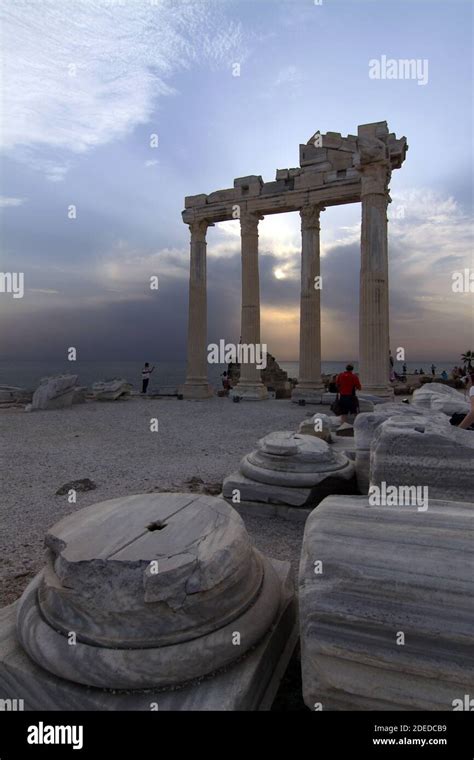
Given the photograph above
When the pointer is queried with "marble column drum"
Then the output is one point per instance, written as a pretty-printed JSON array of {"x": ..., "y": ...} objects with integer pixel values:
[
  {"x": 196, "y": 385},
  {"x": 250, "y": 386},
  {"x": 310, "y": 386},
  {"x": 154, "y": 591},
  {"x": 373, "y": 307}
]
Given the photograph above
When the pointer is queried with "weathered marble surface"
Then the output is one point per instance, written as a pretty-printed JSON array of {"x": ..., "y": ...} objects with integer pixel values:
[
  {"x": 54, "y": 392},
  {"x": 386, "y": 571},
  {"x": 320, "y": 425},
  {"x": 290, "y": 470},
  {"x": 440, "y": 398},
  {"x": 421, "y": 451},
  {"x": 365, "y": 426},
  {"x": 249, "y": 683},
  {"x": 111, "y": 390},
  {"x": 153, "y": 587},
  {"x": 292, "y": 459}
]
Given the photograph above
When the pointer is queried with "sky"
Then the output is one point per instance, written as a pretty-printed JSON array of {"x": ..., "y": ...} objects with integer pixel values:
[{"x": 121, "y": 108}]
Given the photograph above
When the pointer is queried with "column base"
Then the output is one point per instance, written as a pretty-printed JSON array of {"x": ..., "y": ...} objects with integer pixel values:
[
  {"x": 382, "y": 391},
  {"x": 250, "y": 392},
  {"x": 196, "y": 390},
  {"x": 311, "y": 394}
]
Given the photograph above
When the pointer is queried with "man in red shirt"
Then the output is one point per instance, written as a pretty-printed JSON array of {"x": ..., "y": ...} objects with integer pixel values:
[{"x": 347, "y": 384}]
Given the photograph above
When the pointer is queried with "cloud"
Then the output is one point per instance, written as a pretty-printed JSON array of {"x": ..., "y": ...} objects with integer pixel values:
[
  {"x": 289, "y": 75},
  {"x": 80, "y": 75},
  {"x": 288, "y": 82},
  {"x": 6, "y": 202},
  {"x": 427, "y": 318}
]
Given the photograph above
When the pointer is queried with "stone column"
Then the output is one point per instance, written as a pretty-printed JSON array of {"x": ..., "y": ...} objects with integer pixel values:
[
  {"x": 250, "y": 386},
  {"x": 196, "y": 385},
  {"x": 374, "y": 339},
  {"x": 310, "y": 386}
]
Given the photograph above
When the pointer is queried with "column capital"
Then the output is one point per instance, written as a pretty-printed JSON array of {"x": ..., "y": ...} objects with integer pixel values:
[
  {"x": 249, "y": 223},
  {"x": 375, "y": 179},
  {"x": 310, "y": 216},
  {"x": 198, "y": 229}
]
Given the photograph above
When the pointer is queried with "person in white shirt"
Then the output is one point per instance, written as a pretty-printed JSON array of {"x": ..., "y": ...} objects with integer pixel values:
[
  {"x": 469, "y": 418},
  {"x": 146, "y": 374}
]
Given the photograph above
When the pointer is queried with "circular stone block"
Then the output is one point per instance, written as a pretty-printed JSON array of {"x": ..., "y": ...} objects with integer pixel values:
[
  {"x": 296, "y": 460},
  {"x": 153, "y": 588}
]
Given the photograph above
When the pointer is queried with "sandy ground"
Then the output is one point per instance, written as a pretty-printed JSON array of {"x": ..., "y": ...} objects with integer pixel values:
[{"x": 111, "y": 443}]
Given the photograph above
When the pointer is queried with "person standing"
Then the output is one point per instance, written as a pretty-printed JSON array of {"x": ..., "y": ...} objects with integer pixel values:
[
  {"x": 146, "y": 374},
  {"x": 433, "y": 369},
  {"x": 392, "y": 367},
  {"x": 347, "y": 384}
]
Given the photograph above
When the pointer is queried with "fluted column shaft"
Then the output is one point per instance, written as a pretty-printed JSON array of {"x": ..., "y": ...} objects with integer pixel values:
[
  {"x": 250, "y": 385},
  {"x": 374, "y": 341},
  {"x": 310, "y": 305},
  {"x": 250, "y": 292},
  {"x": 196, "y": 385}
]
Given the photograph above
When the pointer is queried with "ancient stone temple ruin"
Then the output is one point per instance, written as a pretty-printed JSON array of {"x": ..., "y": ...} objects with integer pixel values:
[{"x": 333, "y": 170}]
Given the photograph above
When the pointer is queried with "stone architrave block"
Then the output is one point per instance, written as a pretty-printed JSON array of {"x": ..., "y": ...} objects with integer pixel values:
[
  {"x": 308, "y": 180},
  {"x": 365, "y": 427},
  {"x": 222, "y": 196},
  {"x": 279, "y": 186},
  {"x": 192, "y": 201},
  {"x": 251, "y": 179},
  {"x": 310, "y": 154},
  {"x": 385, "y": 600},
  {"x": 375, "y": 129},
  {"x": 424, "y": 452},
  {"x": 437, "y": 397},
  {"x": 332, "y": 140},
  {"x": 55, "y": 392}
]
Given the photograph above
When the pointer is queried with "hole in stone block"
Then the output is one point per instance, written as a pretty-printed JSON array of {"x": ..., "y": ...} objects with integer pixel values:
[{"x": 156, "y": 525}]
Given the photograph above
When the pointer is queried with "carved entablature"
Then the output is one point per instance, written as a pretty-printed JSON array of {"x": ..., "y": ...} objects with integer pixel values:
[{"x": 332, "y": 171}]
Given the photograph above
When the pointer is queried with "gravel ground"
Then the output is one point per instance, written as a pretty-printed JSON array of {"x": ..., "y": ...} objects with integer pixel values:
[{"x": 111, "y": 443}]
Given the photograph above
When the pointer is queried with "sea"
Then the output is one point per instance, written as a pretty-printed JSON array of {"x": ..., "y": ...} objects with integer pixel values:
[{"x": 27, "y": 374}]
